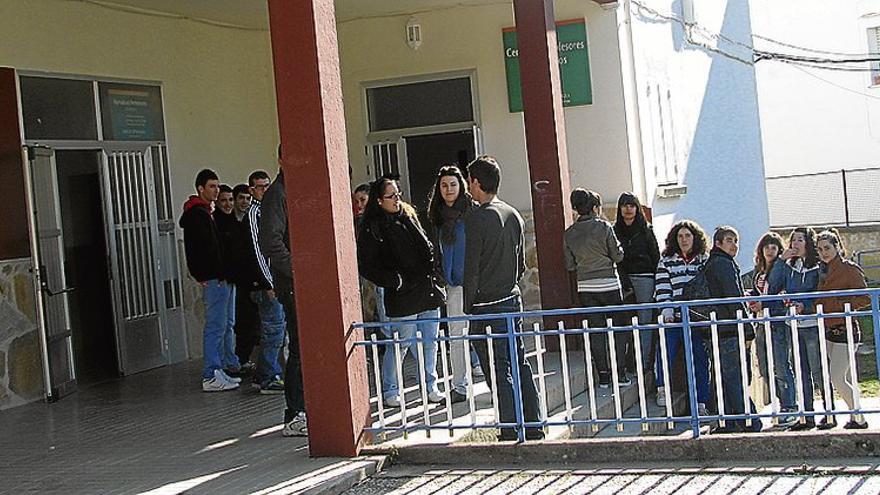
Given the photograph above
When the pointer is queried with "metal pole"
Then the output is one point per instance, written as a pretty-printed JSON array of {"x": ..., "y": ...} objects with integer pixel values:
[
  {"x": 691, "y": 375},
  {"x": 845, "y": 197},
  {"x": 517, "y": 379}
]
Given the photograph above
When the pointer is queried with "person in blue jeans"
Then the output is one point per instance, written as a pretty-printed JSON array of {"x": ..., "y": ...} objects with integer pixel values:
[
  {"x": 683, "y": 258},
  {"x": 395, "y": 254},
  {"x": 799, "y": 272},
  {"x": 204, "y": 260},
  {"x": 494, "y": 264},
  {"x": 268, "y": 376},
  {"x": 766, "y": 256},
  {"x": 724, "y": 279}
]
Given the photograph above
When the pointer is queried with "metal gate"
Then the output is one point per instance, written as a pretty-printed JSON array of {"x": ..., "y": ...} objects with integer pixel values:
[
  {"x": 133, "y": 239},
  {"x": 56, "y": 328}
]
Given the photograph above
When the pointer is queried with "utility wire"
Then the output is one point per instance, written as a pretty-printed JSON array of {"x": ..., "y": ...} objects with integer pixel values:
[
  {"x": 832, "y": 83},
  {"x": 813, "y": 50},
  {"x": 167, "y": 15}
]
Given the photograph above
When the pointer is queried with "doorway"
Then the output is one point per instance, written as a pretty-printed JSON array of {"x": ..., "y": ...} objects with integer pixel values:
[
  {"x": 424, "y": 157},
  {"x": 85, "y": 265}
]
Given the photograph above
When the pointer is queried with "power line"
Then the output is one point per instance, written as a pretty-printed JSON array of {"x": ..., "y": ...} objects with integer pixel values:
[
  {"x": 166, "y": 15},
  {"x": 832, "y": 83},
  {"x": 813, "y": 50}
]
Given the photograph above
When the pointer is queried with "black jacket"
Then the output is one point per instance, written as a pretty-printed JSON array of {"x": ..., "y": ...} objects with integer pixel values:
[
  {"x": 274, "y": 236},
  {"x": 201, "y": 241},
  {"x": 233, "y": 245},
  {"x": 724, "y": 279},
  {"x": 394, "y": 253},
  {"x": 641, "y": 253}
]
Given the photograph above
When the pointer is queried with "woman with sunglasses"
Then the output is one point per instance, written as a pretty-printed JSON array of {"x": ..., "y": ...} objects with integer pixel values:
[{"x": 395, "y": 254}]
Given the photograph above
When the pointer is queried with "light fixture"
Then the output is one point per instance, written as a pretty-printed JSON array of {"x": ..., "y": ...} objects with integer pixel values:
[{"x": 413, "y": 33}]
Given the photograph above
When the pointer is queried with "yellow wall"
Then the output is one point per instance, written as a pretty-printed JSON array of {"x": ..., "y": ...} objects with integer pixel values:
[
  {"x": 469, "y": 38},
  {"x": 217, "y": 82}
]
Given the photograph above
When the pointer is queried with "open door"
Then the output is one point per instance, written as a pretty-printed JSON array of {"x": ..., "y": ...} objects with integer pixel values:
[
  {"x": 133, "y": 239},
  {"x": 55, "y": 307}
]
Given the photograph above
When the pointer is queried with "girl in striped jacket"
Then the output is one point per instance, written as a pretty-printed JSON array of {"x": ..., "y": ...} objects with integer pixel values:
[{"x": 683, "y": 258}]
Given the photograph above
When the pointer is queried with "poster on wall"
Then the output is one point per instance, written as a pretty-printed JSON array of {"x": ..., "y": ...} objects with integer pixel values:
[
  {"x": 131, "y": 112},
  {"x": 574, "y": 65}
]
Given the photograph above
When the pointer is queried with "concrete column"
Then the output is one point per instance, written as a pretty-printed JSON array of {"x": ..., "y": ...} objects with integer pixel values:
[
  {"x": 545, "y": 144},
  {"x": 315, "y": 162}
]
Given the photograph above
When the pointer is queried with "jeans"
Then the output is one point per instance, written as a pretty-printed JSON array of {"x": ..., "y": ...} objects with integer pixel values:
[
  {"x": 458, "y": 349},
  {"x": 643, "y": 286},
  {"x": 247, "y": 324},
  {"x": 390, "y": 385},
  {"x": 294, "y": 397},
  {"x": 599, "y": 341},
  {"x": 216, "y": 295},
  {"x": 503, "y": 365},
  {"x": 732, "y": 384},
  {"x": 675, "y": 341},
  {"x": 811, "y": 366},
  {"x": 272, "y": 323},
  {"x": 783, "y": 373},
  {"x": 230, "y": 359}
]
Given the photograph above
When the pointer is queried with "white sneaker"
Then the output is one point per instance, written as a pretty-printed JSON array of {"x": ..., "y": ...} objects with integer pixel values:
[
  {"x": 218, "y": 383},
  {"x": 477, "y": 372},
  {"x": 231, "y": 379},
  {"x": 297, "y": 427},
  {"x": 435, "y": 397},
  {"x": 701, "y": 409},
  {"x": 392, "y": 402},
  {"x": 661, "y": 396}
]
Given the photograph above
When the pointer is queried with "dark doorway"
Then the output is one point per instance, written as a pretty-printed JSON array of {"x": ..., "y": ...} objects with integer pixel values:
[
  {"x": 85, "y": 251},
  {"x": 424, "y": 157}
]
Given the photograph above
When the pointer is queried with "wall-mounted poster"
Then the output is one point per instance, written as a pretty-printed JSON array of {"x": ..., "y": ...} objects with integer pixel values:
[{"x": 131, "y": 112}]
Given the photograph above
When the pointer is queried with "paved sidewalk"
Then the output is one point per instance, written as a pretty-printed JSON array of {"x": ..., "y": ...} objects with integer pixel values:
[{"x": 156, "y": 432}]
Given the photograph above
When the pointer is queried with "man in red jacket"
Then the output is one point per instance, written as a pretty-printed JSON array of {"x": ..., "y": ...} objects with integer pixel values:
[{"x": 204, "y": 260}]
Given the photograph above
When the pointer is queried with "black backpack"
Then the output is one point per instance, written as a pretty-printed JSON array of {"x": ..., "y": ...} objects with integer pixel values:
[{"x": 695, "y": 289}]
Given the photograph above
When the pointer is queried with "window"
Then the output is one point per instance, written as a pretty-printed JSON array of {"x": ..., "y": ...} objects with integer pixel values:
[
  {"x": 664, "y": 150},
  {"x": 874, "y": 47},
  {"x": 446, "y": 101},
  {"x": 58, "y": 108}
]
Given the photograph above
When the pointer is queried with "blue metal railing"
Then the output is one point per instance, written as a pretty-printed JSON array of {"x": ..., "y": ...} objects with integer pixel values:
[{"x": 512, "y": 333}]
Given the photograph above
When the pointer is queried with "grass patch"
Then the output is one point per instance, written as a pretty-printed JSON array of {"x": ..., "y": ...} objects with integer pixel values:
[{"x": 869, "y": 384}]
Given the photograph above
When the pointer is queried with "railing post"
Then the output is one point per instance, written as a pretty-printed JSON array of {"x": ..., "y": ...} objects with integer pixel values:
[
  {"x": 875, "y": 319},
  {"x": 845, "y": 197},
  {"x": 689, "y": 362},
  {"x": 514, "y": 372}
]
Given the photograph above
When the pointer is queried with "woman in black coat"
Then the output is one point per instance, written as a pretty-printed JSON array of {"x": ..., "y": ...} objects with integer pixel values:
[
  {"x": 395, "y": 254},
  {"x": 641, "y": 254}
]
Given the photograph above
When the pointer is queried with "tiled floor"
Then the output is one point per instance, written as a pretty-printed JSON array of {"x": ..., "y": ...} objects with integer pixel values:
[{"x": 154, "y": 432}]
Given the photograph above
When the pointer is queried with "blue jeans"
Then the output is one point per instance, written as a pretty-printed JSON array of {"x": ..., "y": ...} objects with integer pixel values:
[
  {"x": 230, "y": 358},
  {"x": 643, "y": 286},
  {"x": 783, "y": 373},
  {"x": 732, "y": 385},
  {"x": 390, "y": 387},
  {"x": 675, "y": 341},
  {"x": 219, "y": 302},
  {"x": 811, "y": 365},
  {"x": 272, "y": 325},
  {"x": 504, "y": 363}
]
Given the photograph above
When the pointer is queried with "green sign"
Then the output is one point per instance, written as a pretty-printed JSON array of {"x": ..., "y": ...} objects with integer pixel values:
[{"x": 574, "y": 65}]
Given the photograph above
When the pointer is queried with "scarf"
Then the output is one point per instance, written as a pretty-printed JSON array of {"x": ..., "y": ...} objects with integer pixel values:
[{"x": 450, "y": 215}]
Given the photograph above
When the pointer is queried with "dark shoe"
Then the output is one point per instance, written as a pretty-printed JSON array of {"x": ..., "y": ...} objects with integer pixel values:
[
  {"x": 852, "y": 425},
  {"x": 455, "y": 397},
  {"x": 809, "y": 425},
  {"x": 728, "y": 428},
  {"x": 509, "y": 434},
  {"x": 604, "y": 381},
  {"x": 827, "y": 425},
  {"x": 534, "y": 434},
  {"x": 272, "y": 387}
]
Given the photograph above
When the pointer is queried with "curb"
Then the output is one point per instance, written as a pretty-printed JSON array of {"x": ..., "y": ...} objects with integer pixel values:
[
  {"x": 734, "y": 447},
  {"x": 366, "y": 466}
]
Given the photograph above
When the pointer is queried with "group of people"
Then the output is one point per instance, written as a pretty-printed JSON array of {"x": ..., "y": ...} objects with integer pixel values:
[
  {"x": 237, "y": 248},
  {"x": 469, "y": 259},
  {"x": 471, "y": 256}
]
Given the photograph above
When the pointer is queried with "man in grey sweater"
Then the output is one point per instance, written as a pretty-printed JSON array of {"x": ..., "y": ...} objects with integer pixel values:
[{"x": 494, "y": 263}]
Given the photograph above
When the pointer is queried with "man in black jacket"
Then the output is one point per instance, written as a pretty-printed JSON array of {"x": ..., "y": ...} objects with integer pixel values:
[
  {"x": 274, "y": 241},
  {"x": 724, "y": 280},
  {"x": 494, "y": 263},
  {"x": 204, "y": 259}
]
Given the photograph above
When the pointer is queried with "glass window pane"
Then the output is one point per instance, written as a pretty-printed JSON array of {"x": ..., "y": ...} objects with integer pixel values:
[
  {"x": 420, "y": 104},
  {"x": 58, "y": 108},
  {"x": 131, "y": 112}
]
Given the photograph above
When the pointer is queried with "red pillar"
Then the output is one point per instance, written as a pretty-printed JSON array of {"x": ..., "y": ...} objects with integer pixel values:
[
  {"x": 545, "y": 144},
  {"x": 315, "y": 162}
]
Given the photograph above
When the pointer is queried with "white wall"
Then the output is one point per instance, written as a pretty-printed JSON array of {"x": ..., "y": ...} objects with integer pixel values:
[
  {"x": 217, "y": 82},
  {"x": 469, "y": 38},
  {"x": 711, "y": 118},
  {"x": 812, "y": 119}
]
